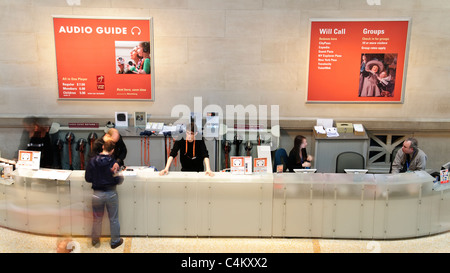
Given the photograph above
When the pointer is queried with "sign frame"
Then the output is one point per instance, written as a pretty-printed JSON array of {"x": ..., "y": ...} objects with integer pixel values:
[
  {"x": 399, "y": 99},
  {"x": 129, "y": 94}
]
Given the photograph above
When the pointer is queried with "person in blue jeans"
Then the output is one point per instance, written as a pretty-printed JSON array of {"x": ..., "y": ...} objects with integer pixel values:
[{"x": 100, "y": 173}]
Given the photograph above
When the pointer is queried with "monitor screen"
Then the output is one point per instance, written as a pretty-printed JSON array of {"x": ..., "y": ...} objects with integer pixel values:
[
  {"x": 305, "y": 170},
  {"x": 355, "y": 171}
]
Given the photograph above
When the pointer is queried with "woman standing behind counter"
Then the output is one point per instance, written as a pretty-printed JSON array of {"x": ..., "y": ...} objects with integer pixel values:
[
  {"x": 193, "y": 153},
  {"x": 298, "y": 158}
]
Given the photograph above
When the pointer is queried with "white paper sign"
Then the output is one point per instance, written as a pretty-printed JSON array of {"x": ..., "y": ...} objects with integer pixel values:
[
  {"x": 264, "y": 152},
  {"x": 326, "y": 123},
  {"x": 52, "y": 174}
]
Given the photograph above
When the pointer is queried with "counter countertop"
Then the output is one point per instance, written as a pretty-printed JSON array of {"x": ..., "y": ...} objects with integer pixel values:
[{"x": 327, "y": 178}]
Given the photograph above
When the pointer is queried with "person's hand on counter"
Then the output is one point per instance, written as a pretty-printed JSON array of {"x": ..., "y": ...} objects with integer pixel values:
[
  {"x": 209, "y": 172},
  {"x": 208, "y": 167},
  {"x": 166, "y": 169},
  {"x": 163, "y": 172},
  {"x": 306, "y": 164}
]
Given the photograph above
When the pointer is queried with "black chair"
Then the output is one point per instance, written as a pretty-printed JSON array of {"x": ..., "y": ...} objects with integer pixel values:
[
  {"x": 394, "y": 153},
  {"x": 281, "y": 157},
  {"x": 349, "y": 160}
]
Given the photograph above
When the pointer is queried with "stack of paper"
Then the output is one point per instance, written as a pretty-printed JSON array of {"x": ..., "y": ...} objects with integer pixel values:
[
  {"x": 358, "y": 128},
  {"x": 319, "y": 129},
  {"x": 332, "y": 132}
]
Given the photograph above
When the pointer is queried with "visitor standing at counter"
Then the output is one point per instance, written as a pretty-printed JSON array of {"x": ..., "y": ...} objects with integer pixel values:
[
  {"x": 104, "y": 181},
  {"x": 298, "y": 158},
  {"x": 409, "y": 157},
  {"x": 120, "y": 149},
  {"x": 193, "y": 153},
  {"x": 36, "y": 137}
]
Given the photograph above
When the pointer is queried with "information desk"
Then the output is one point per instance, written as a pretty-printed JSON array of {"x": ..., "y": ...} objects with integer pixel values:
[
  {"x": 326, "y": 149},
  {"x": 316, "y": 205}
]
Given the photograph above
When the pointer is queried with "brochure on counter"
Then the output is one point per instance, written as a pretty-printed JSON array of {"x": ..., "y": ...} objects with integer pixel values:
[{"x": 52, "y": 174}]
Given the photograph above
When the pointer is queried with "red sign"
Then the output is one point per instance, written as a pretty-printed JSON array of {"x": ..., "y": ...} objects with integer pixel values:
[
  {"x": 83, "y": 125},
  {"x": 104, "y": 58},
  {"x": 357, "y": 61}
]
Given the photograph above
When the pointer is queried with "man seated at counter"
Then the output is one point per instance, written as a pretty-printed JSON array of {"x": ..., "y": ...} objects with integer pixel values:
[
  {"x": 193, "y": 153},
  {"x": 409, "y": 157},
  {"x": 120, "y": 150}
]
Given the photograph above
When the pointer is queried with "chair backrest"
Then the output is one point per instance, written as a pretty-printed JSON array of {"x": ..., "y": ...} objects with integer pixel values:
[
  {"x": 394, "y": 153},
  {"x": 349, "y": 160},
  {"x": 281, "y": 157}
]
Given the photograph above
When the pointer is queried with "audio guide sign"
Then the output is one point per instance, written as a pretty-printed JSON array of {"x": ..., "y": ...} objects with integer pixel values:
[
  {"x": 357, "y": 61},
  {"x": 104, "y": 58}
]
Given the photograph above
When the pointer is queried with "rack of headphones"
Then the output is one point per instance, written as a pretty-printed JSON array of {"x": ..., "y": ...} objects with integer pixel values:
[
  {"x": 72, "y": 144},
  {"x": 243, "y": 140},
  {"x": 151, "y": 145}
]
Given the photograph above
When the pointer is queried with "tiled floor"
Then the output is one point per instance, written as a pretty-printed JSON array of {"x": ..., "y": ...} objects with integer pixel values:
[{"x": 19, "y": 242}]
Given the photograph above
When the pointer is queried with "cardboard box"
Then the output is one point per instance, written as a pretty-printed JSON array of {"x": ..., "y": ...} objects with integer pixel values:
[
  {"x": 344, "y": 128},
  {"x": 319, "y": 132},
  {"x": 317, "y": 135}
]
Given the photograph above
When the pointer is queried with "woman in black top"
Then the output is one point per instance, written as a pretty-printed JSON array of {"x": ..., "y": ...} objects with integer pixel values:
[
  {"x": 298, "y": 158},
  {"x": 193, "y": 153}
]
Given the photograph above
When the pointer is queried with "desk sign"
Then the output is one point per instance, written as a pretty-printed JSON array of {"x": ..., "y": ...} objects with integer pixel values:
[
  {"x": 260, "y": 165},
  {"x": 29, "y": 160},
  {"x": 237, "y": 165},
  {"x": 241, "y": 164},
  {"x": 444, "y": 176},
  {"x": 96, "y": 58}
]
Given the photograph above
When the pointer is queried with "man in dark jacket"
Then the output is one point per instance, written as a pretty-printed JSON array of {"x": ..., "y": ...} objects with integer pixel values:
[
  {"x": 120, "y": 150},
  {"x": 100, "y": 173}
]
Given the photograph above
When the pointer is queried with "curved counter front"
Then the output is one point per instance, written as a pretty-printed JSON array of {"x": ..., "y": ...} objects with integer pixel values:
[{"x": 316, "y": 205}]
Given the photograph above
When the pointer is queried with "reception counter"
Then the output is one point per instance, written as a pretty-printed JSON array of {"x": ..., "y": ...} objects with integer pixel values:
[{"x": 314, "y": 205}]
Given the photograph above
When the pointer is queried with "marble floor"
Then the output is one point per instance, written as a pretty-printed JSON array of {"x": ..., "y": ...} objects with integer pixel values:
[{"x": 12, "y": 241}]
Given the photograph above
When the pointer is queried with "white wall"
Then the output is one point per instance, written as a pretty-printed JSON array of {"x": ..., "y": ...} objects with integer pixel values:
[{"x": 228, "y": 52}]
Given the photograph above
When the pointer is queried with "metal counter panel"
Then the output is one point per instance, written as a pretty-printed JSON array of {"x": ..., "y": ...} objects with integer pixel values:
[
  {"x": 238, "y": 209},
  {"x": 172, "y": 208},
  {"x": 314, "y": 205},
  {"x": 48, "y": 205},
  {"x": 81, "y": 204},
  {"x": 444, "y": 215},
  {"x": 3, "y": 205},
  {"x": 16, "y": 205}
]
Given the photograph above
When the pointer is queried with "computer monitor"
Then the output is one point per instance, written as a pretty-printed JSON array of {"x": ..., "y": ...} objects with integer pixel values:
[
  {"x": 305, "y": 170},
  {"x": 445, "y": 166},
  {"x": 355, "y": 171}
]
